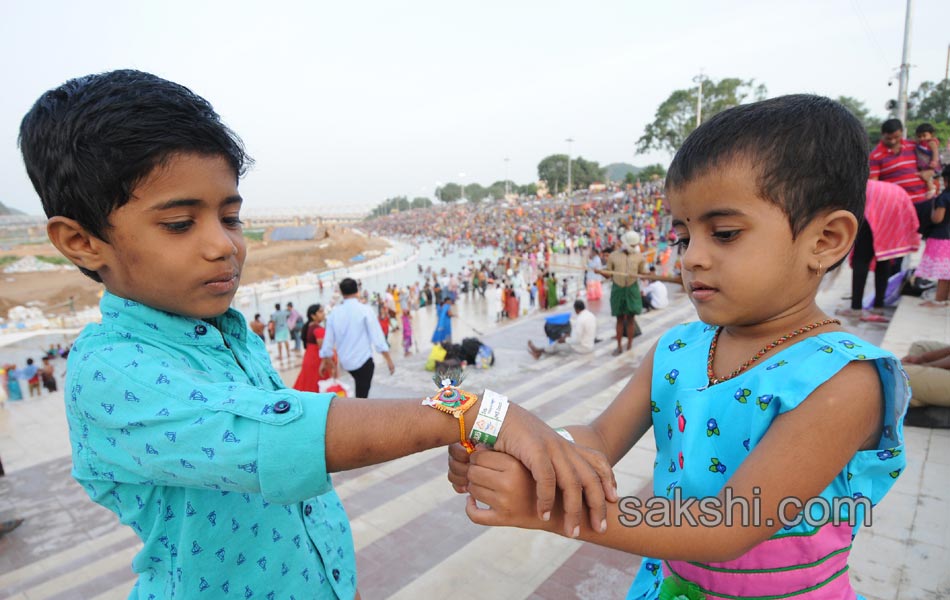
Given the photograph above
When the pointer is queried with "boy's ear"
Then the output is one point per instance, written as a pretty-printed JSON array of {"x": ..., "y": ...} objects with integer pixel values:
[
  {"x": 834, "y": 236},
  {"x": 75, "y": 243}
]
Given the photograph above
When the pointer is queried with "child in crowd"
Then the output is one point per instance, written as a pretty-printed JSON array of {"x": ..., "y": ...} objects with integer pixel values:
[
  {"x": 935, "y": 263},
  {"x": 928, "y": 157},
  {"x": 47, "y": 375},
  {"x": 765, "y": 399},
  {"x": 178, "y": 422}
]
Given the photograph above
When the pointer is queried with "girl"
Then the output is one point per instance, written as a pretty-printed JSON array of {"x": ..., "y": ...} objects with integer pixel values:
[
  {"x": 309, "y": 378},
  {"x": 407, "y": 331},
  {"x": 443, "y": 328},
  {"x": 935, "y": 263},
  {"x": 765, "y": 398}
]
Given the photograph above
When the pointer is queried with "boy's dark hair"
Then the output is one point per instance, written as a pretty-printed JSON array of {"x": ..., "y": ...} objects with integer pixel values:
[
  {"x": 925, "y": 128},
  {"x": 348, "y": 287},
  {"x": 891, "y": 125},
  {"x": 579, "y": 305},
  {"x": 89, "y": 142},
  {"x": 808, "y": 153}
]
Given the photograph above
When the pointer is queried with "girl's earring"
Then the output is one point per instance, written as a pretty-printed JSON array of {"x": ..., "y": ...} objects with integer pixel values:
[{"x": 819, "y": 269}]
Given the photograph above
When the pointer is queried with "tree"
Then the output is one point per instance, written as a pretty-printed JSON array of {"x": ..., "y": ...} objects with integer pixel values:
[
  {"x": 530, "y": 189},
  {"x": 389, "y": 205},
  {"x": 586, "y": 172},
  {"x": 421, "y": 202},
  {"x": 676, "y": 116},
  {"x": 497, "y": 189},
  {"x": 859, "y": 110},
  {"x": 652, "y": 172},
  {"x": 553, "y": 169},
  {"x": 449, "y": 192},
  {"x": 475, "y": 193},
  {"x": 630, "y": 178},
  {"x": 931, "y": 102}
]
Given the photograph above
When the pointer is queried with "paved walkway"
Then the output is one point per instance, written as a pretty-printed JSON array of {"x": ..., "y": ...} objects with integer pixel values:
[{"x": 412, "y": 537}]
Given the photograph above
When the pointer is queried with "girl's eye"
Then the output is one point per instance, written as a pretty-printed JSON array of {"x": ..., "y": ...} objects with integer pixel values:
[
  {"x": 726, "y": 236},
  {"x": 178, "y": 226},
  {"x": 680, "y": 242}
]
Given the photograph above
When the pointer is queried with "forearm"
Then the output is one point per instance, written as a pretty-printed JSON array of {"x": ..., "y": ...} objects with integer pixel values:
[
  {"x": 628, "y": 531},
  {"x": 942, "y": 363},
  {"x": 362, "y": 432},
  {"x": 934, "y": 355}
]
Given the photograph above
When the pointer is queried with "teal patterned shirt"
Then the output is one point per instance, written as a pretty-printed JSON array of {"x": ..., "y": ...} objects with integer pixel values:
[{"x": 183, "y": 429}]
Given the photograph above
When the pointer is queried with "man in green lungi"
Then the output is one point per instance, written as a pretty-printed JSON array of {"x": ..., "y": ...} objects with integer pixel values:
[{"x": 623, "y": 267}]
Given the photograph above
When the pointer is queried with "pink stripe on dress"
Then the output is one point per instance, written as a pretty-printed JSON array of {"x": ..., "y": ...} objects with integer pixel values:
[{"x": 806, "y": 560}]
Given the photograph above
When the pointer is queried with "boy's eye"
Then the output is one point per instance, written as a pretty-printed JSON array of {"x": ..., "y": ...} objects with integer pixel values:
[
  {"x": 178, "y": 226},
  {"x": 235, "y": 222},
  {"x": 726, "y": 236}
]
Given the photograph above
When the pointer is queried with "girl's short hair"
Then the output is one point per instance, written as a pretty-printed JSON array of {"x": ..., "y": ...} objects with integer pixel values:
[{"x": 809, "y": 154}]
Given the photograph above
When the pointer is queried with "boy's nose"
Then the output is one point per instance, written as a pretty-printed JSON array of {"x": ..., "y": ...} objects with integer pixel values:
[{"x": 220, "y": 244}]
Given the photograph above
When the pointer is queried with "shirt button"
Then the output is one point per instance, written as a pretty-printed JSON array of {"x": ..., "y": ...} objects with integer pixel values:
[
  {"x": 307, "y": 510},
  {"x": 281, "y": 406},
  {"x": 200, "y": 330},
  {"x": 336, "y": 575}
]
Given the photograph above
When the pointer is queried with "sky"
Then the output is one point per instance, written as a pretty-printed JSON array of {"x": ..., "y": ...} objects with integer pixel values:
[{"x": 345, "y": 104}]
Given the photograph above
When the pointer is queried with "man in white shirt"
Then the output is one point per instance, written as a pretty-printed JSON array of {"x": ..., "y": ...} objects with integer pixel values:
[
  {"x": 353, "y": 330},
  {"x": 583, "y": 335}
]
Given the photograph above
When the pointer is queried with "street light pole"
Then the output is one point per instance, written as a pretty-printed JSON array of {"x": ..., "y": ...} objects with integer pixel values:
[
  {"x": 699, "y": 99},
  {"x": 507, "y": 187},
  {"x": 570, "y": 187},
  {"x": 905, "y": 69}
]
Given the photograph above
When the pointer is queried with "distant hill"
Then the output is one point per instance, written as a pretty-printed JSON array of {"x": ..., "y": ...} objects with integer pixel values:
[
  {"x": 4, "y": 210},
  {"x": 617, "y": 171}
]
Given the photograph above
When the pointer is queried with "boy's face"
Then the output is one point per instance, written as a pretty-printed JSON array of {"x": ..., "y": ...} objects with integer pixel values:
[
  {"x": 177, "y": 245},
  {"x": 740, "y": 265},
  {"x": 925, "y": 136}
]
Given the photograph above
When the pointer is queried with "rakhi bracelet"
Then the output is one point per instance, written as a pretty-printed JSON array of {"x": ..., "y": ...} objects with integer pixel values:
[
  {"x": 564, "y": 433},
  {"x": 451, "y": 400},
  {"x": 490, "y": 417}
]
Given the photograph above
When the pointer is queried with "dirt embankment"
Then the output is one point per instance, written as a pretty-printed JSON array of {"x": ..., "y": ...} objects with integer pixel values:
[{"x": 51, "y": 290}]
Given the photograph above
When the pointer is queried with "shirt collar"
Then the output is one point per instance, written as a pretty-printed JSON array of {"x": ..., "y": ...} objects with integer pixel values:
[{"x": 120, "y": 313}]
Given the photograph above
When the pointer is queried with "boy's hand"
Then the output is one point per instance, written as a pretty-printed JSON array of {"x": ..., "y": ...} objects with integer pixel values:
[
  {"x": 501, "y": 482},
  {"x": 584, "y": 476}
]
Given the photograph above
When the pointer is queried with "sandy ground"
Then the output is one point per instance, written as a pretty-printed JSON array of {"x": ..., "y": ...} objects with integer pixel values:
[{"x": 51, "y": 290}]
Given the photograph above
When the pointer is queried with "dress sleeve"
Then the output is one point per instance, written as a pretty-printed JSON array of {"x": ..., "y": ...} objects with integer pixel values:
[{"x": 158, "y": 421}]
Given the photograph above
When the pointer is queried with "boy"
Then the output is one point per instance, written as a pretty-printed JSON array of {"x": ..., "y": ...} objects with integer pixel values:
[
  {"x": 178, "y": 422},
  {"x": 32, "y": 375},
  {"x": 928, "y": 156}
]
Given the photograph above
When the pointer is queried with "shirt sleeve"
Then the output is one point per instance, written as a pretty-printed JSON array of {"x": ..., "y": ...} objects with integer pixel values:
[
  {"x": 329, "y": 340},
  {"x": 157, "y": 421}
]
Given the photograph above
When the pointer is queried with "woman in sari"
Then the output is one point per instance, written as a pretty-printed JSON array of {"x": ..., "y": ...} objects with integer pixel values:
[{"x": 309, "y": 378}]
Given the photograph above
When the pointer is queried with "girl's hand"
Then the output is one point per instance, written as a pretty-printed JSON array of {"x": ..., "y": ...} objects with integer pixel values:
[
  {"x": 583, "y": 476},
  {"x": 501, "y": 482},
  {"x": 458, "y": 468}
]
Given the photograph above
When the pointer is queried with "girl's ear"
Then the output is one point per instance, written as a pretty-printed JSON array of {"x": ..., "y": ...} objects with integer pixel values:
[
  {"x": 834, "y": 235},
  {"x": 75, "y": 243}
]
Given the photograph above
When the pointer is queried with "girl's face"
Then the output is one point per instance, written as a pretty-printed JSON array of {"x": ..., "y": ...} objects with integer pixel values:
[{"x": 740, "y": 265}]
